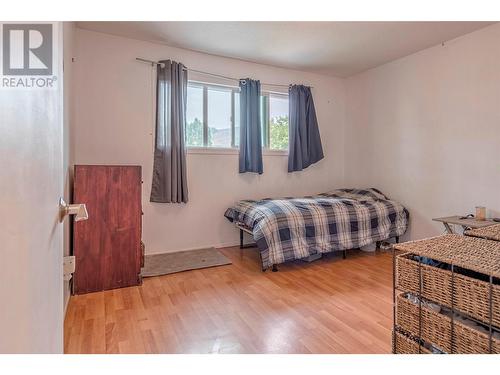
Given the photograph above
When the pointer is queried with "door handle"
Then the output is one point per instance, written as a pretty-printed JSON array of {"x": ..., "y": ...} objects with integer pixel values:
[{"x": 77, "y": 209}]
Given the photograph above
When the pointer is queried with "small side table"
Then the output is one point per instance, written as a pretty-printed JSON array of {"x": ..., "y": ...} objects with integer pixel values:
[{"x": 465, "y": 223}]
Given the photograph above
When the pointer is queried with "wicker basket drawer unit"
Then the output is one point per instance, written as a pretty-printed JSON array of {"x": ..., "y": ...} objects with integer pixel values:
[
  {"x": 458, "y": 274},
  {"x": 437, "y": 328}
]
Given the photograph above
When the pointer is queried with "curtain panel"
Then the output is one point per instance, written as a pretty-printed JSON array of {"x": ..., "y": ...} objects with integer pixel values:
[
  {"x": 304, "y": 139},
  {"x": 250, "y": 159},
  {"x": 169, "y": 183}
]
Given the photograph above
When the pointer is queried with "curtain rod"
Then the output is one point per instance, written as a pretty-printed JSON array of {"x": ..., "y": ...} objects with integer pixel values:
[{"x": 210, "y": 74}]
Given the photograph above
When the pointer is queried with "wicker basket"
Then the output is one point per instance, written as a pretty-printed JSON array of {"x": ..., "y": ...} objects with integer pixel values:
[
  {"x": 472, "y": 253},
  {"x": 491, "y": 232},
  {"x": 437, "y": 328},
  {"x": 406, "y": 345},
  {"x": 471, "y": 296}
]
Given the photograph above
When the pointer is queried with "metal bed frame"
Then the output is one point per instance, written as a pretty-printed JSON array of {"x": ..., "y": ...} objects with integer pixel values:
[{"x": 245, "y": 229}]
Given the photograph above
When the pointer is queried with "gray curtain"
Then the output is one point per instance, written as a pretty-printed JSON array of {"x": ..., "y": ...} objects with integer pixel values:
[
  {"x": 250, "y": 130},
  {"x": 305, "y": 142},
  {"x": 169, "y": 166}
]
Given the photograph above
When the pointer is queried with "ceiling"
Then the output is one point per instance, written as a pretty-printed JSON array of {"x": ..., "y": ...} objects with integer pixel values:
[{"x": 335, "y": 48}]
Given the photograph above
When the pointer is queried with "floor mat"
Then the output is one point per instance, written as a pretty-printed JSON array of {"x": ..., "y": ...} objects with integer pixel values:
[{"x": 164, "y": 264}]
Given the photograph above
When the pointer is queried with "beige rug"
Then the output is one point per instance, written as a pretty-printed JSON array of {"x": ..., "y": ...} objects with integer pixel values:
[{"x": 163, "y": 264}]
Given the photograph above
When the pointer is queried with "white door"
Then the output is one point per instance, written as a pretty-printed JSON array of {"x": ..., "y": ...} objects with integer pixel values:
[{"x": 31, "y": 182}]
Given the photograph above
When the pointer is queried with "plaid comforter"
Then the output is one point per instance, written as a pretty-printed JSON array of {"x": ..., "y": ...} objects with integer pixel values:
[{"x": 294, "y": 228}]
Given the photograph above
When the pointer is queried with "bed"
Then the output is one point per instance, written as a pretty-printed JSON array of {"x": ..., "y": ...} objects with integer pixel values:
[{"x": 287, "y": 229}]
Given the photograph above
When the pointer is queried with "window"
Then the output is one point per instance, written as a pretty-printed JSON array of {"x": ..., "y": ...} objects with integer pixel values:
[
  {"x": 213, "y": 117},
  {"x": 277, "y": 122}
]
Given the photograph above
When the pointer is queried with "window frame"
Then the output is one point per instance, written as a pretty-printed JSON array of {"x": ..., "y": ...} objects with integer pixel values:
[{"x": 234, "y": 149}]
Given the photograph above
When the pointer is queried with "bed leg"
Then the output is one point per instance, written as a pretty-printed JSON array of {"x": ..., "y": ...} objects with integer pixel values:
[
  {"x": 275, "y": 268},
  {"x": 344, "y": 254},
  {"x": 241, "y": 239},
  {"x": 397, "y": 239},
  {"x": 377, "y": 245}
]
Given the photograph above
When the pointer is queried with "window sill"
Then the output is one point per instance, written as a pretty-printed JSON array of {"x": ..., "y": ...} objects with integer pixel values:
[{"x": 231, "y": 151}]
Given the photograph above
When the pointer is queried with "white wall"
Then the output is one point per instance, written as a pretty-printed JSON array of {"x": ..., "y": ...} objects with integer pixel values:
[
  {"x": 114, "y": 125},
  {"x": 426, "y": 129}
]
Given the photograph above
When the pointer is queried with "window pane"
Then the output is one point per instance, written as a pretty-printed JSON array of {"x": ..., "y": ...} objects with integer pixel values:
[
  {"x": 236, "y": 119},
  {"x": 278, "y": 127},
  {"x": 194, "y": 116},
  {"x": 219, "y": 118}
]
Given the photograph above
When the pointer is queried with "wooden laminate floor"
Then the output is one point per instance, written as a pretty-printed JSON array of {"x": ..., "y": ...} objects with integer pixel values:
[{"x": 328, "y": 306}]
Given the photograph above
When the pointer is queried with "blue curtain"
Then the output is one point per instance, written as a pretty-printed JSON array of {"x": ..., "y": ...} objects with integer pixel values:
[
  {"x": 304, "y": 139},
  {"x": 250, "y": 130}
]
